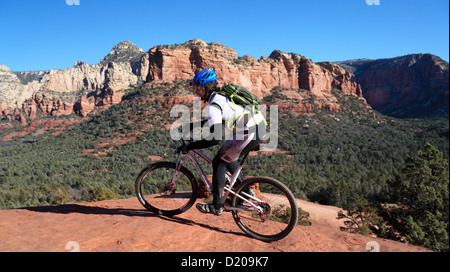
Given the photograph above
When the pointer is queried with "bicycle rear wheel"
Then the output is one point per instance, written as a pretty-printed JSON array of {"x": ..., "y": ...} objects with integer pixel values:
[
  {"x": 279, "y": 213},
  {"x": 154, "y": 193}
]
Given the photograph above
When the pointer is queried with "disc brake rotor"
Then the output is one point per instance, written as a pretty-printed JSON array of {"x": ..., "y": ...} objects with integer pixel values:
[{"x": 267, "y": 211}]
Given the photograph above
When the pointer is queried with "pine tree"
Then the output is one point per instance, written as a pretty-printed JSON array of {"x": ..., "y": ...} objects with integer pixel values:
[
  {"x": 421, "y": 191},
  {"x": 360, "y": 216}
]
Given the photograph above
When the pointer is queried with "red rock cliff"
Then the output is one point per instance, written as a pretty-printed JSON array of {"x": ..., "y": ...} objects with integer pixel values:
[
  {"x": 408, "y": 86},
  {"x": 181, "y": 62},
  {"x": 126, "y": 65}
]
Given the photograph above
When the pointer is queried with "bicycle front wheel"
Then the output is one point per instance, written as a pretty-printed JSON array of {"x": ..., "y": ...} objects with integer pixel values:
[
  {"x": 155, "y": 193},
  {"x": 274, "y": 212}
]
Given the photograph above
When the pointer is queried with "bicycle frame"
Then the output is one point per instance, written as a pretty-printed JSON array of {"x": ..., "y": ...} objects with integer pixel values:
[{"x": 232, "y": 180}]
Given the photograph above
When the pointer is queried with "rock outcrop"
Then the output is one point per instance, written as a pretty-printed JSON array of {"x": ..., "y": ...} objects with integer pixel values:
[
  {"x": 84, "y": 106},
  {"x": 408, "y": 86},
  {"x": 61, "y": 92},
  {"x": 12, "y": 90},
  {"x": 56, "y": 106},
  {"x": 81, "y": 88},
  {"x": 181, "y": 62}
]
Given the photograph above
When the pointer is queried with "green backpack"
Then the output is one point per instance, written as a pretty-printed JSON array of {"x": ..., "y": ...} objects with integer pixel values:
[{"x": 241, "y": 96}]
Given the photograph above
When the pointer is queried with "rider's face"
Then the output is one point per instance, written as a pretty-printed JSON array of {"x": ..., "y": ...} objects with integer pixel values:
[{"x": 200, "y": 91}]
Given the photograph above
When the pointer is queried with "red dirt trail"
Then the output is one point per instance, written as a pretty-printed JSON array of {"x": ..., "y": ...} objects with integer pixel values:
[{"x": 124, "y": 225}]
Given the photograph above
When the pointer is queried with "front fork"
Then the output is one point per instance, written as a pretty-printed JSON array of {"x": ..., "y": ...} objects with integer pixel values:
[{"x": 169, "y": 191}]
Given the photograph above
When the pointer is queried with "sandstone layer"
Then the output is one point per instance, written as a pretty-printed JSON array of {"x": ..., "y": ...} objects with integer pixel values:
[
  {"x": 409, "y": 86},
  {"x": 84, "y": 87},
  {"x": 285, "y": 70}
]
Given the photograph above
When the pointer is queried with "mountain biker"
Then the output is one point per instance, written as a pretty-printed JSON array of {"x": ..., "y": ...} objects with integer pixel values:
[{"x": 248, "y": 130}]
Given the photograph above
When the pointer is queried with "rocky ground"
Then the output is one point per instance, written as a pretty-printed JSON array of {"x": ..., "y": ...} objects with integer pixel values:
[{"x": 124, "y": 225}]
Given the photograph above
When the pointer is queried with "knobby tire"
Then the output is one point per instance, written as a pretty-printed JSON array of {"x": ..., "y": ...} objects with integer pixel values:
[{"x": 146, "y": 184}]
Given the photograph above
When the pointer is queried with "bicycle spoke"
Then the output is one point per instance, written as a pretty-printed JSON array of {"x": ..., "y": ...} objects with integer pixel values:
[{"x": 275, "y": 217}]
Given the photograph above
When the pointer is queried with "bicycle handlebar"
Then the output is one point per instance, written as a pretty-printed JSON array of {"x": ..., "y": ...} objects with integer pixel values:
[{"x": 183, "y": 143}]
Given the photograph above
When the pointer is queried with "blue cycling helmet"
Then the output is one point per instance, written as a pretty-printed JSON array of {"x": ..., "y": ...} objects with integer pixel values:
[{"x": 203, "y": 77}]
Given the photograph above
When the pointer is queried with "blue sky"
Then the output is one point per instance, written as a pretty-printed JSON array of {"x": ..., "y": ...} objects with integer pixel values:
[{"x": 46, "y": 34}]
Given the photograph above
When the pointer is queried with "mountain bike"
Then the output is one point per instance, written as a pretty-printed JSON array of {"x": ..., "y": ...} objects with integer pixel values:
[{"x": 262, "y": 207}]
